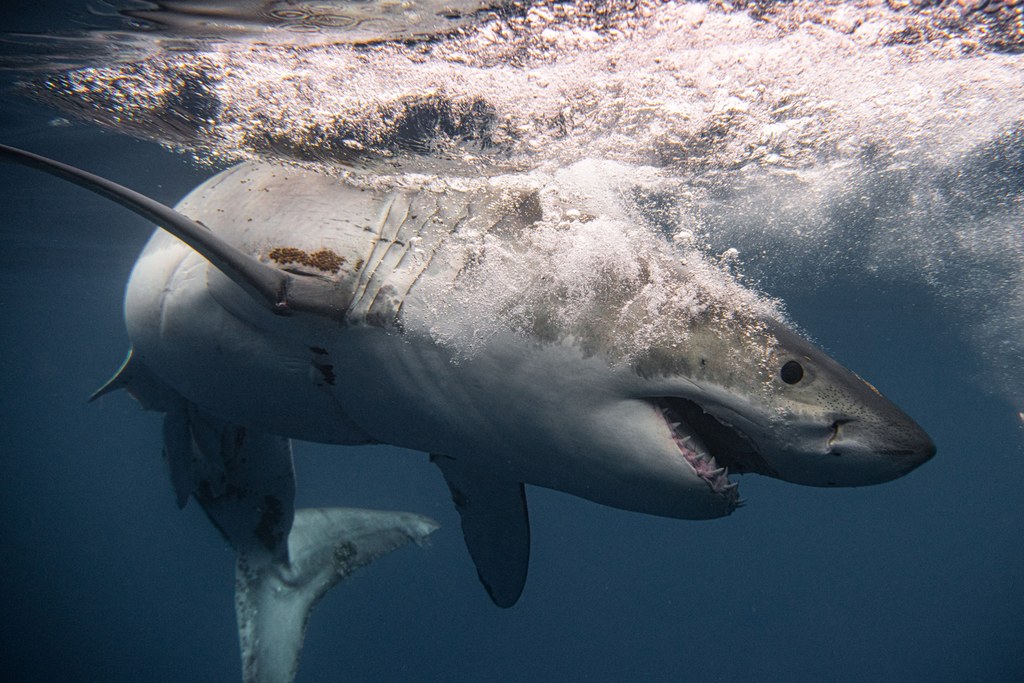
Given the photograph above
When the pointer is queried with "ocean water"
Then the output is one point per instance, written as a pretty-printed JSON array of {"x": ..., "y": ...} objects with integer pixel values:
[{"x": 874, "y": 186}]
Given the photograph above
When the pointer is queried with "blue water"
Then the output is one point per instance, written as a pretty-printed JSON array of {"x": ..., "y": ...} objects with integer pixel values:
[{"x": 104, "y": 579}]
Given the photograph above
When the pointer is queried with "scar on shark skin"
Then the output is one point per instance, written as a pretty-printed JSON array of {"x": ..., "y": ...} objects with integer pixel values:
[{"x": 324, "y": 260}]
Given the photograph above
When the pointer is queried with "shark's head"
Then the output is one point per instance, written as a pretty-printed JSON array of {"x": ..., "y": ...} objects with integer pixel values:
[{"x": 793, "y": 414}]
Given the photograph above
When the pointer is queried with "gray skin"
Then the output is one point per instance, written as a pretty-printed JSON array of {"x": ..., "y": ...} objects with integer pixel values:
[{"x": 310, "y": 308}]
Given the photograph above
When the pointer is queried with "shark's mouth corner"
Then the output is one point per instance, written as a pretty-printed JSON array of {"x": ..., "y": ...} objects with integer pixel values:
[{"x": 711, "y": 447}]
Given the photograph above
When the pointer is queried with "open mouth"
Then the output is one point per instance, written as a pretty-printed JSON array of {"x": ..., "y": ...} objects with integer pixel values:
[{"x": 710, "y": 446}]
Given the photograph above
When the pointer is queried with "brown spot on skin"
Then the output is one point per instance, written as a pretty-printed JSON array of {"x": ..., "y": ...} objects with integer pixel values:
[{"x": 324, "y": 259}]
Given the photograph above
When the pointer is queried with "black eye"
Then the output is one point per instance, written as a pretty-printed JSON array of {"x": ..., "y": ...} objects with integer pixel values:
[{"x": 792, "y": 372}]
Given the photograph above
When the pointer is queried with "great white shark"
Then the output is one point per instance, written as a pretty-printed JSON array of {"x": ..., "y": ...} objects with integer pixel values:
[{"x": 284, "y": 304}]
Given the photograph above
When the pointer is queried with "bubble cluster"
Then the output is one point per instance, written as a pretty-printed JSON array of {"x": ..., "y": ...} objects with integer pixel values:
[
  {"x": 589, "y": 274},
  {"x": 880, "y": 136}
]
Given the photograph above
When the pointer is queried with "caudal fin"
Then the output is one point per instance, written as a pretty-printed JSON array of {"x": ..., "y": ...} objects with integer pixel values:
[{"x": 273, "y": 599}]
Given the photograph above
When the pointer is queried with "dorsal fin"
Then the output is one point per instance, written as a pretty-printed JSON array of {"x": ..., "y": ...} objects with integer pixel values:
[
  {"x": 496, "y": 527},
  {"x": 282, "y": 292}
]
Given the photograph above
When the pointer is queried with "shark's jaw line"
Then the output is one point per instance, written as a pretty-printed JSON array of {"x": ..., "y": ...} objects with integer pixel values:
[{"x": 709, "y": 446}]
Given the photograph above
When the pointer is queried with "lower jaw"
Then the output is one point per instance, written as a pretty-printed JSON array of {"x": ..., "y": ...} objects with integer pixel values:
[{"x": 700, "y": 459}]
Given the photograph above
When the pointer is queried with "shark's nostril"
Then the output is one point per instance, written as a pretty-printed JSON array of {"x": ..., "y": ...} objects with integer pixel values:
[{"x": 836, "y": 427}]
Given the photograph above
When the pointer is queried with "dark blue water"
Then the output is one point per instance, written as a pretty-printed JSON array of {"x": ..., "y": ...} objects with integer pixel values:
[{"x": 104, "y": 579}]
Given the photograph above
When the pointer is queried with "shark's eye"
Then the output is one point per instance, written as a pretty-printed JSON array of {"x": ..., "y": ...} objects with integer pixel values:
[{"x": 792, "y": 372}]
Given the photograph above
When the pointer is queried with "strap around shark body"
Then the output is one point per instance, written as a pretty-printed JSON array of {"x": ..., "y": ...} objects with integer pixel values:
[{"x": 282, "y": 292}]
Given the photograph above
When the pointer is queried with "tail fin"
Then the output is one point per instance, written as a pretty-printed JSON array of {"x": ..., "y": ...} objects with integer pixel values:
[{"x": 273, "y": 600}]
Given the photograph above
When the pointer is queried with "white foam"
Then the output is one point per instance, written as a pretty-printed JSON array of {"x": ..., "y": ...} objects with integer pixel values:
[
  {"x": 587, "y": 272},
  {"x": 852, "y": 135}
]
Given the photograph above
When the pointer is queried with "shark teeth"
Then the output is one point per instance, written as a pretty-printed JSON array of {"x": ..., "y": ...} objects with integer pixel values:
[{"x": 702, "y": 462}]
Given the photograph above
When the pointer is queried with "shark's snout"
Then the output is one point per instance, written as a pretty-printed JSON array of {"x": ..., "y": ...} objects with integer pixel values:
[
  {"x": 877, "y": 451},
  {"x": 921, "y": 452}
]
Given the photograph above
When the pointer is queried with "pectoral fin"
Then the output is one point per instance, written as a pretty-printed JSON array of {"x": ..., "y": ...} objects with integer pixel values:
[{"x": 495, "y": 525}]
